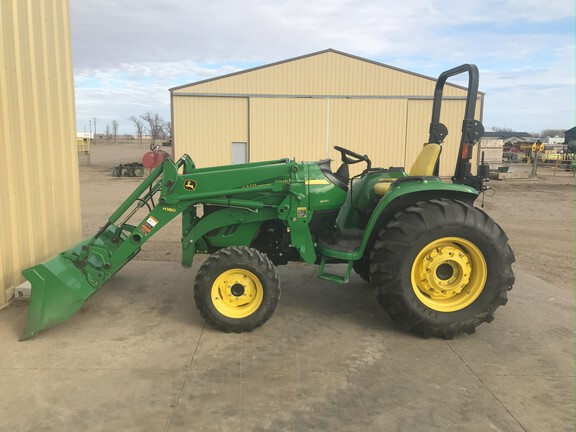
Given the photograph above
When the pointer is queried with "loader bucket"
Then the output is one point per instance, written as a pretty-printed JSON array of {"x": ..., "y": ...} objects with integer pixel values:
[
  {"x": 59, "y": 289},
  {"x": 61, "y": 285}
]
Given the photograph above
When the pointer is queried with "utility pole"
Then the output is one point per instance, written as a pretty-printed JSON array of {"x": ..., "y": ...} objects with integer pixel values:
[{"x": 94, "y": 118}]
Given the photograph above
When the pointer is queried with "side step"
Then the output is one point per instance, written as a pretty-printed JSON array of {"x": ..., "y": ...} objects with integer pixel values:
[
  {"x": 321, "y": 274},
  {"x": 340, "y": 240}
]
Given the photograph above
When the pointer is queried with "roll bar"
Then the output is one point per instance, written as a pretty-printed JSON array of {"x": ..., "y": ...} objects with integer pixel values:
[{"x": 472, "y": 130}]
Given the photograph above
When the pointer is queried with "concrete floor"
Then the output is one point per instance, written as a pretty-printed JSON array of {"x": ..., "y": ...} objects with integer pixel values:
[{"x": 138, "y": 357}]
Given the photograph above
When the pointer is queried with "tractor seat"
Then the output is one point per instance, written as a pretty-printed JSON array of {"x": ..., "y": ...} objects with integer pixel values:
[
  {"x": 423, "y": 166},
  {"x": 426, "y": 161}
]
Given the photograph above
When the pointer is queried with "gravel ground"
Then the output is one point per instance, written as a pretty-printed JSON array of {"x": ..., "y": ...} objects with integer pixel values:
[{"x": 538, "y": 217}]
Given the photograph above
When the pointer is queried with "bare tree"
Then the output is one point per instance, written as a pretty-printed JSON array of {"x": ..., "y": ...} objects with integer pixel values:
[
  {"x": 115, "y": 130},
  {"x": 139, "y": 125},
  {"x": 552, "y": 133},
  {"x": 167, "y": 130},
  {"x": 107, "y": 133},
  {"x": 501, "y": 129},
  {"x": 154, "y": 125}
]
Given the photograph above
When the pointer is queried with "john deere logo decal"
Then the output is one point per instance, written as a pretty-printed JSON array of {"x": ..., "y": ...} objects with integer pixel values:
[{"x": 190, "y": 185}]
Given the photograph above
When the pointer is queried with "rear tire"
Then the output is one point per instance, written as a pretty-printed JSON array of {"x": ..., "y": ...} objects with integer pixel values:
[
  {"x": 441, "y": 267},
  {"x": 237, "y": 289}
]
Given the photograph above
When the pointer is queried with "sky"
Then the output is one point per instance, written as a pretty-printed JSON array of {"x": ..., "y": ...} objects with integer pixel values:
[{"x": 128, "y": 53}]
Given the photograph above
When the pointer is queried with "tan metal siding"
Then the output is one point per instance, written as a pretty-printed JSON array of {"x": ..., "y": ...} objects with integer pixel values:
[
  {"x": 327, "y": 73},
  {"x": 282, "y": 128},
  {"x": 40, "y": 198},
  {"x": 369, "y": 126},
  {"x": 308, "y": 129},
  {"x": 391, "y": 132},
  {"x": 418, "y": 120},
  {"x": 206, "y": 127}
]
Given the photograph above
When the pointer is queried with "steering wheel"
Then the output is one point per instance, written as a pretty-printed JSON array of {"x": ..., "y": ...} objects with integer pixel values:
[{"x": 350, "y": 158}]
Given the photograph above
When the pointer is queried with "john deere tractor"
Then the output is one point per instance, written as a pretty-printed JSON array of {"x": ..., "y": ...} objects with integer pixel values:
[{"x": 437, "y": 264}]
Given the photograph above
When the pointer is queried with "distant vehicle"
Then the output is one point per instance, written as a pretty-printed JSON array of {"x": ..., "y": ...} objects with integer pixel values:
[{"x": 552, "y": 157}]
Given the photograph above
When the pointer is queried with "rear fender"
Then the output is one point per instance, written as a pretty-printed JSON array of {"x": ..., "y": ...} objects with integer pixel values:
[{"x": 406, "y": 193}]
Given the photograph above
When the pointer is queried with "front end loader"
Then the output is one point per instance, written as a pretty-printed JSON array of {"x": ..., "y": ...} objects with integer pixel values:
[{"x": 438, "y": 265}]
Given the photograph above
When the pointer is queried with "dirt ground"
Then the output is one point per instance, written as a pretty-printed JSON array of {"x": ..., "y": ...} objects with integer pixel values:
[{"x": 537, "y": 214}]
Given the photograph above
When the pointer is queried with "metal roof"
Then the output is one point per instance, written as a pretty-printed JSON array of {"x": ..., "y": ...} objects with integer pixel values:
[
  {"x": 329, "y": 50},
  {"x": 507, "y": 135}
]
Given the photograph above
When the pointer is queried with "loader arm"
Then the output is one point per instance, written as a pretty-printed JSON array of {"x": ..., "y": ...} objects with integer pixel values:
[{"x": 60, "y": 286}]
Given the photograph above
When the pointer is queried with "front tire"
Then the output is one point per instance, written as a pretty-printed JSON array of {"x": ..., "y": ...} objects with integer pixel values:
[
  {"x": 237, "y": 289},
  {"x": 441, "y": 267}
]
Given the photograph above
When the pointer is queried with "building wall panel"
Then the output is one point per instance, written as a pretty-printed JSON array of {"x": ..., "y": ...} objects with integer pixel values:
[
  {"x": 40, "y": 195},
  {"x": 281, "y": 128},
  {"x": 375, "y": 127},
  {"x": 390, "y": 131},
  {"x": 308, "y": 129},
  {"x": 206, "y": 127},
  {"x": 418, "y": 122}
]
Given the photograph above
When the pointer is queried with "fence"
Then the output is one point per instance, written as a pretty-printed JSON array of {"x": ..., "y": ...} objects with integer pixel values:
[{"x": 83, "y": 145}]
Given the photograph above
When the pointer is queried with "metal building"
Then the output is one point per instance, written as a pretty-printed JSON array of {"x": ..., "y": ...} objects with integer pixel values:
[
  {"x": 39, "y": 197},
  {"x": 303, "y": 107}
]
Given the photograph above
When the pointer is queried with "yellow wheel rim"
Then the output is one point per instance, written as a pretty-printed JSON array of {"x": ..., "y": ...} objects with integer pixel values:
[
  {"x": 237, "y": 293},
  {"x": 449, "y": 274}
]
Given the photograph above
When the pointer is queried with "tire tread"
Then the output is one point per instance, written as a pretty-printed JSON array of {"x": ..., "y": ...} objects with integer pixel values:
[
  {"x": 393, "y": 243},
  {"x": 220, "y": 259}
]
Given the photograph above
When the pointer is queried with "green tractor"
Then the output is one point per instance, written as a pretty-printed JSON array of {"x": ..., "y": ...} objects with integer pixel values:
[{"x": 437, "y": 264}]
